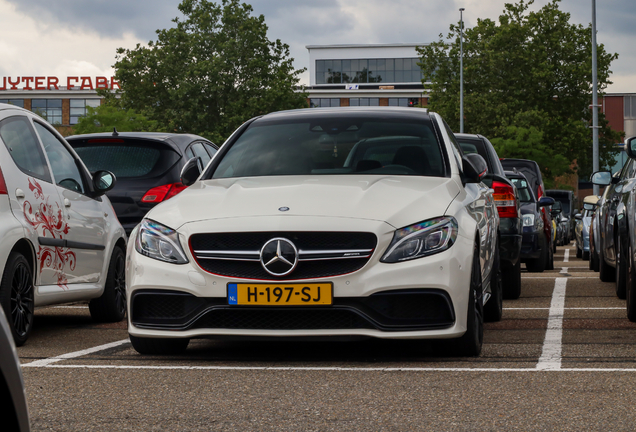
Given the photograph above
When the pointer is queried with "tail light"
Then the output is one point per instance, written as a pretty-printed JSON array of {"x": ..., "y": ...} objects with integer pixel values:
[
  {"x": 162, "y": 193},
  {"x": 539, "y": 192},
  {"x": 505, "y": 200},
  {"x": 3, "y": 185}
]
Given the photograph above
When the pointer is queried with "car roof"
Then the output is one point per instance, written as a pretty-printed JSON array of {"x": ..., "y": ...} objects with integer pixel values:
[
  {"x": 414, "y": 113},
  {"x": 559, "y": 192},
  {"x": 175, "y": 140}
]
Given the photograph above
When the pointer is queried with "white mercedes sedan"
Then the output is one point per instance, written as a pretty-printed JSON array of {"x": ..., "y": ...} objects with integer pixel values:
[{"x": 344, "y": 223}]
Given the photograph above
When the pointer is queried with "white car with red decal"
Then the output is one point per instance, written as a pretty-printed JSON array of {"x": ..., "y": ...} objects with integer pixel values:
[{"x": 60, "y": 240}]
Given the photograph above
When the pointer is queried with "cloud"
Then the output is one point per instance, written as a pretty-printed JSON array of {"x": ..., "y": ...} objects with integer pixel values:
[{"x": 41, "y": 36}]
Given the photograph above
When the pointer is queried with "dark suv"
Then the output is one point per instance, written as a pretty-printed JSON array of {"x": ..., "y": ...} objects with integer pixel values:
[
  {"x": 147, "y": 166},
  {"x": 507, "y": 201}
]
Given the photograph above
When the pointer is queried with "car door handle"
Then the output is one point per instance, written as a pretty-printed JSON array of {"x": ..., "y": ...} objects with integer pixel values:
[{"x": 67, "y": 202}]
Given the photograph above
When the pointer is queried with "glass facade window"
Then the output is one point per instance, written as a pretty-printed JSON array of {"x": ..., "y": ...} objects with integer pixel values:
[
  {"x": 50, "y": 109},
  {"x": 386, "y": 70},
  {"x": 324, "y": 102},
  {"x": 364, "y": 102},
  {"x": 16, "y": 102},
  {"x": 78, "y": 108},
  {"x": 404, "y": 102},
  {"x": 630, "y": 107}
]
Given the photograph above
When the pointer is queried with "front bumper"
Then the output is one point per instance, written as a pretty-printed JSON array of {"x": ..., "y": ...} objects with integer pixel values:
[
  {"x": 531, "y": 245},
  {"x": 422, "y": 298}
]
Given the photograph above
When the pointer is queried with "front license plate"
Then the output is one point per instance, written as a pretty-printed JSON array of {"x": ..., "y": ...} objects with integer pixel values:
[{"x": 293, "y": 294}]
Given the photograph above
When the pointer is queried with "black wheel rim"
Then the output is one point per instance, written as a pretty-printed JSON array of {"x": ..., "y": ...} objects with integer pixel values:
[
  {"x": 120, "y": 284},
  {"x": 22, "y": 300}
]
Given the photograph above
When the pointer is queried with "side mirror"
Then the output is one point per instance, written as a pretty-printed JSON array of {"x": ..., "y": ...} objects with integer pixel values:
[
  {"x": 103, "y": 181},
  {"x": 545, "y": 201},
  {"x": 601, "y": 178},
  {"x": 191, "y": 171},
  {"x": 474, "y": 167},
  {"x": 630, "y": 147},
  {"x": 578, "y": 216}
]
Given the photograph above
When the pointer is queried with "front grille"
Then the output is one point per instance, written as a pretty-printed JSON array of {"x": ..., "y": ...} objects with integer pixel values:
[
  {"x": 387, "y": 311},
  {"x": 247, "y": 246}
]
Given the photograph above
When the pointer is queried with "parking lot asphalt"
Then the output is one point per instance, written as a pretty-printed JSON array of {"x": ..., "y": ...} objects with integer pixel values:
[{"x": 562, "y": 358}]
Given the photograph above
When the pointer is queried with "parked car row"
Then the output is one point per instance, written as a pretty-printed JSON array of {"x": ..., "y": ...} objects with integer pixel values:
[{"x": 612, "y": 229}]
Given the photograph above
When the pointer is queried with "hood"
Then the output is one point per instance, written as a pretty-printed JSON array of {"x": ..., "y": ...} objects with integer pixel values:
[{"x": 397, "y": 200}]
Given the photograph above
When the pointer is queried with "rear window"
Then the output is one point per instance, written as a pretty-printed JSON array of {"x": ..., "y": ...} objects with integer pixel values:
[
  {"x": 127, "y": 161},
  {"x": 335, "y": 146},
  {"x": 525, "y": 195},
  {"x": 475, "y": 146}
]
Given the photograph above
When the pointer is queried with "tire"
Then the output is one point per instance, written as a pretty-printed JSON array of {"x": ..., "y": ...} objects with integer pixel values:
[
  {"x": 621, "y": 270},
  {"x": 586, "y": 256},
  {"x": 511, "y": 282},
  {"x": 579, "y": 253},
  {"x": 594, "y": 261},
  {"x": 537, "y": 265},
  {"x": 111, "y": 305},
  {"x": 631, "y": 286},
  {"x": 493, "y": 309},
  {"x": 469, "y": 345},
  {"x": 159, "y": 346},
  {"x": 606, "y": 272},
  {"x": 16, "y": 297},
  {"x": 549, "y": 265}
]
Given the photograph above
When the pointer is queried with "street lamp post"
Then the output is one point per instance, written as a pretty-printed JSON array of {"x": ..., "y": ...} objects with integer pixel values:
[
  {"x": 461, "y": 70},
  {"x": 595, "y": 156}
]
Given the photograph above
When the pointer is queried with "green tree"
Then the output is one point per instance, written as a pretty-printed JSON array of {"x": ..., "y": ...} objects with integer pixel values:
[
  {"x": 107, "y": 116},
  {"x": 211, "y": 72},
  {"x": 527, "y": 85}
]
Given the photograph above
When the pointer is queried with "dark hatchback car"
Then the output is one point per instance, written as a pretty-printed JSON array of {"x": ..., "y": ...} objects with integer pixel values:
[
  {"x": 530, "y": 169},
  {"x": 534, "y": 248},
  {"x": 507, "y": 201},
  {"x": 147, "y": 166}
]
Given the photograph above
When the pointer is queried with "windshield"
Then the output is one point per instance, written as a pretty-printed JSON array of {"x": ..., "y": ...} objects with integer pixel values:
[
  {"x": 525, "y": 195},
  {"x": 335, "y": 145}
]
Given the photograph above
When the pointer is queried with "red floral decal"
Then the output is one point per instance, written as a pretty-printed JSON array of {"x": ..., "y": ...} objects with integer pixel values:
[
  {"x": 36, "y": 188},
  {"x": 48, "y": 220}
]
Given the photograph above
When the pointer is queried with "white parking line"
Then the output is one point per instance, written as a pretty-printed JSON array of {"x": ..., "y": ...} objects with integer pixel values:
[
  {"x": 551, "y": 355},
  {"x": 50, "y": 360},
  {"x": 566, "y": 255},
  {"x": 564, "y": 270},
  {"x": 333, "y": 369},
  {"x": 570, "y": 308}
]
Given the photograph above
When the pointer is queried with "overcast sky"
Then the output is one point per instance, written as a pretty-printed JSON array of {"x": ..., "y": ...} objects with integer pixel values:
[{"x": 79, "y": 38}]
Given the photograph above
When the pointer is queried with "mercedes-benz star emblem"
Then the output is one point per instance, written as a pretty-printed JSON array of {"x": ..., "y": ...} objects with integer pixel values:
[{"x": 279, "y": 256}]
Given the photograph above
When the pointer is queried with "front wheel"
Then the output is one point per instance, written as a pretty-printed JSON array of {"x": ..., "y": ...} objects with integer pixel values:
[
  {"x": 631, "y": 286},
  {"x": 159, "y": 346},
  {"x": 493, "y": 309},
  {"x": 511, "y": 282},
  {"x": 537, "y": 265},
  {"x": 621, "y": 270},
  {"x": 469, "y": 345},
  {"x": 606, "y": 272},
  {"x": 111, "y": 305},
  {"x": 16, "y": 297}
]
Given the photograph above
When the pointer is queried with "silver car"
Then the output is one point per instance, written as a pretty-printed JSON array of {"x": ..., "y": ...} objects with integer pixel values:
[{"x": 582, "y": 229}]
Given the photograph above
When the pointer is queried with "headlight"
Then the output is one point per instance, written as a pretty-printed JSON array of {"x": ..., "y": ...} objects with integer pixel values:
[
  {"x": 159, "y": 242},
  {"x": 422, "y": 239},
  {"x": 528, "y": 220}
]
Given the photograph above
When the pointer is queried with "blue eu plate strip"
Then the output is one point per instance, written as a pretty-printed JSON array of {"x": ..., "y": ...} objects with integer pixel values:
[{"x": 232, "y": 297}]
